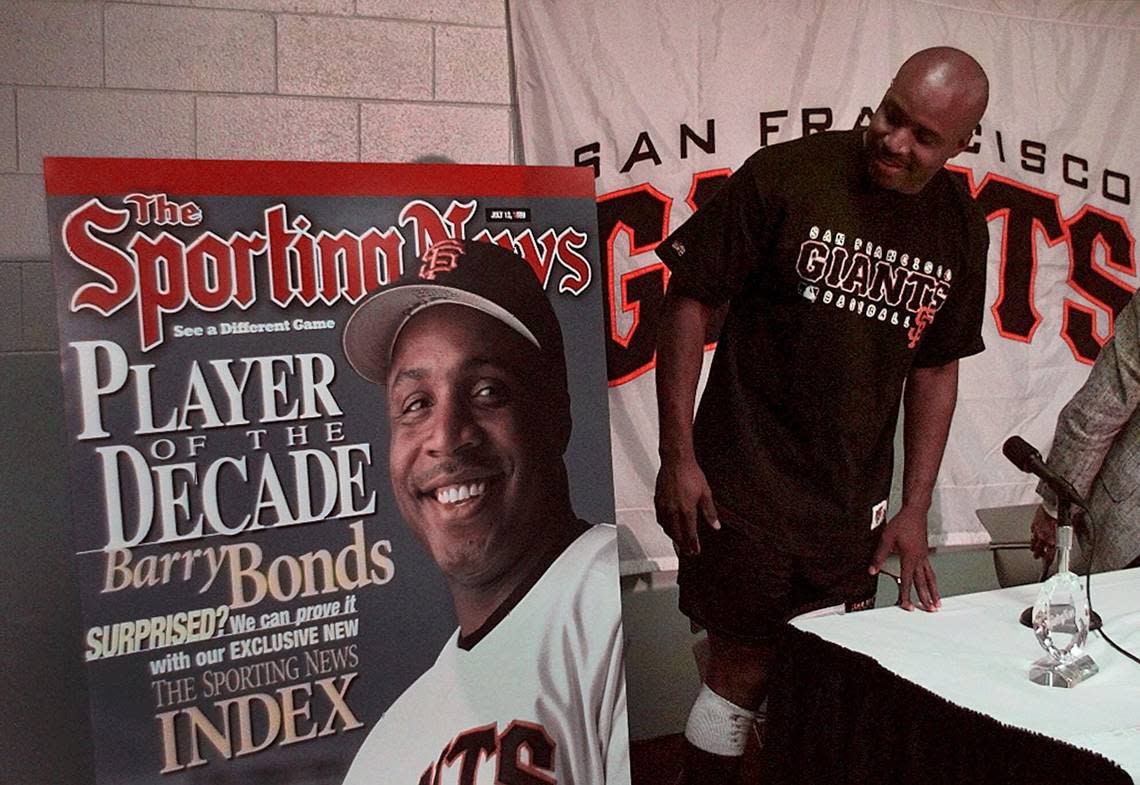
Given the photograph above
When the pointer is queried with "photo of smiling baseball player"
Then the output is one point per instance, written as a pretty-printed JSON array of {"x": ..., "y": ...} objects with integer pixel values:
[{"x": 531, "y": 686}]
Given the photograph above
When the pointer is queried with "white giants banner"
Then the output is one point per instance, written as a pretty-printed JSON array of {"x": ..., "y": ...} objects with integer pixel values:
[{"x": 663, "y": 98}]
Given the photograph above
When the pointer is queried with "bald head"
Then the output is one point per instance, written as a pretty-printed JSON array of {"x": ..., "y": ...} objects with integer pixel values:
[
  {"x": 927, "y": 116},
  {"x": 952, "y": 80}
]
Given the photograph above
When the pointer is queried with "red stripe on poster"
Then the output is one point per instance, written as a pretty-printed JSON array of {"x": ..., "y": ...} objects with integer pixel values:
[{"x": 87, "y": 176}]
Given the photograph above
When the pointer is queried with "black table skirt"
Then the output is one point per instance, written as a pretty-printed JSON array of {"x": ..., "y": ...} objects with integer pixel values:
[{"x": 836, "y": 716}]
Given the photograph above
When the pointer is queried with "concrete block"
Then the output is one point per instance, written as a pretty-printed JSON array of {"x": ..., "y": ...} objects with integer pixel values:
[
  {"x": 23, "y": 214},
  {"x": 41, "y": 330},
  {"x": 8, "y": 157},
  {"x": 363, "y": 58},
  {"x": 189, "y": 49},
  {"x": 491, "y": 13},
  {"x": 50, "y": 43},
  {"x": 341, "y": 7},
  {"x": 270, "y": 127},
  {"x": 103, "y": 122},
  {"x": 405, "y": 132},
  {"x": 11, "y": 319},
  {"x": 471, "y": 65}
]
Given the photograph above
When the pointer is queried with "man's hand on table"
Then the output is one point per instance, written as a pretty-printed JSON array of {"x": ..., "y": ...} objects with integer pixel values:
[{"x": 906, "y": 534}]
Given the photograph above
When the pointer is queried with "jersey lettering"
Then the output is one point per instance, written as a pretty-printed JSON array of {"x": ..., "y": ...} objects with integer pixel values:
[
  {"x": 523, "y": 742},
  {"x": 867, "y": 285},
  {"x": 523, "y": 754}
]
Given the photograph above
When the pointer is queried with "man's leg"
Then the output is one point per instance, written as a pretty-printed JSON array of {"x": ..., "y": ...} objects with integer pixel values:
[
  {"x": 722, "y": 716},
  {"x": 740, "y": 590}
]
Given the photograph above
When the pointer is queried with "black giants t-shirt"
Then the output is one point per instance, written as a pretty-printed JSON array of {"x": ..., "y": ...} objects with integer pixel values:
[{"x": 836, "y": 288}]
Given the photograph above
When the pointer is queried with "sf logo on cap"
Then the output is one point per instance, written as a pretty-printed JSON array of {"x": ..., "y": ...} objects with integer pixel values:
[{"x": 440, "y": 258}]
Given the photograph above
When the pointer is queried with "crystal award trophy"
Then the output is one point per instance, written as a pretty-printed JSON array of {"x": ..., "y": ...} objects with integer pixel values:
[{"x": 1061, "y": 622}]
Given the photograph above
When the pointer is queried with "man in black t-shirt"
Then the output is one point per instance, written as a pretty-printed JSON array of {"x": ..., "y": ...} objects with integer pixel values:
[{"x": 853, "y": 267}]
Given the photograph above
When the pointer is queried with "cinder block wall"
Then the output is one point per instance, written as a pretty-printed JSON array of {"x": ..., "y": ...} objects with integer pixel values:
[{"x": 347, "y": 80}]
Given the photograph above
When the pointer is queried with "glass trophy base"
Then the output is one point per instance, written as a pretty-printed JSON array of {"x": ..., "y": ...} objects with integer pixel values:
[{"x": 1048, "y": 672}]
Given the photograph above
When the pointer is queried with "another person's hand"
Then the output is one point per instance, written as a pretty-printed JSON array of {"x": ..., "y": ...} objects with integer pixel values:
[
  {"x": 906, "y": 534},
  {"x": 682, "y": 494},
  {"x": 1043, "y": 535}
]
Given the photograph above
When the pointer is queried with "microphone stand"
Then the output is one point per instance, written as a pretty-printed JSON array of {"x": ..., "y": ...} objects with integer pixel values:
[
  {"x": 1060, "y": 617},
  {"x": 1064, "y": 520}
]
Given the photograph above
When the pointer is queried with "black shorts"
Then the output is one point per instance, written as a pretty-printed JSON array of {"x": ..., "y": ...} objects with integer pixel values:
[{"x": 746, "y": 589}]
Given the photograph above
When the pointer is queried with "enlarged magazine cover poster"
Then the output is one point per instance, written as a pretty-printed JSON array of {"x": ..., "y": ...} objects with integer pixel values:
[{"x": 340, "y": 472}]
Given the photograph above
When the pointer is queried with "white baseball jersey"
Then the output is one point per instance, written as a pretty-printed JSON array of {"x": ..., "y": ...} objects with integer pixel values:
[{"x": 538, "y": 700}]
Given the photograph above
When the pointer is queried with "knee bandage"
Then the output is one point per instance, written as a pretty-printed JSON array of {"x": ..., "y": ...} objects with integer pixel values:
[{"x": 718, "y": 725}]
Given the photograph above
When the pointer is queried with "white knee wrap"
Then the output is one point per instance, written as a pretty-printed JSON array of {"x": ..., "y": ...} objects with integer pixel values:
[{"x": 718, "y": 725}]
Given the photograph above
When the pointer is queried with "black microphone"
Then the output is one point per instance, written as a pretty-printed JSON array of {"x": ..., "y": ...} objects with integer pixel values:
[{"x": 1024, "y": 456}]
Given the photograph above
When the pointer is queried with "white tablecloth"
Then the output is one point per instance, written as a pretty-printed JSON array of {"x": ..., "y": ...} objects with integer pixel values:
[{"x": 974, "y": 653}]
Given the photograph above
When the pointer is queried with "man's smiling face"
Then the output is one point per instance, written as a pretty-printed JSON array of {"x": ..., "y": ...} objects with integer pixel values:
[
  {"x": 471, "y": 450},
  {"x": 925, "y": 119}
]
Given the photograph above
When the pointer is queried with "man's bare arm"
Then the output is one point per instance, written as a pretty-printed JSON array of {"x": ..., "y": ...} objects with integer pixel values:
[
  {"x": 682, "y": 491},
  {"x": 928, "y": 407}
]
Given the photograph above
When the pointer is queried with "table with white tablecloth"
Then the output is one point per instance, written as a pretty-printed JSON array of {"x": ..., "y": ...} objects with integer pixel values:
[{"x": 887, "y": 695}]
